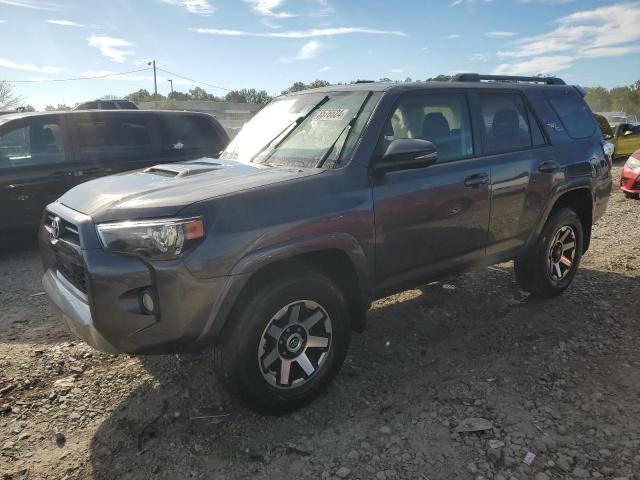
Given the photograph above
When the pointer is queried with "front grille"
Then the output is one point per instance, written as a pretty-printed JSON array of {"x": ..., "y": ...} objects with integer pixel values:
[
  {"x": 67, "y": 248},
  {"x": 72, "y": 272},
  {"x": 67, "y": 231}
]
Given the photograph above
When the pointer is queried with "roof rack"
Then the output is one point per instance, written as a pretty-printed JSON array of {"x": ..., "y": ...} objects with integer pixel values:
[{"x": 475, "y": 77}]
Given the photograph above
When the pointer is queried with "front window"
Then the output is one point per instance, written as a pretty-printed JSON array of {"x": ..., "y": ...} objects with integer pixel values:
[{"x": 308, "y": 130}]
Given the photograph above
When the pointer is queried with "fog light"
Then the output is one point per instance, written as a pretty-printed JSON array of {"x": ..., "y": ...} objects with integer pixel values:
[{"x": 147, "y": 301}]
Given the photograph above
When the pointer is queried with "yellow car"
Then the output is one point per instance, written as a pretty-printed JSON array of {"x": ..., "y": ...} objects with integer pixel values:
[{"x": 625, "y": 138}]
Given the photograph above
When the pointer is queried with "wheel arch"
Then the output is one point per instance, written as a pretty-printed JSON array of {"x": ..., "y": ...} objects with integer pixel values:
[
  {"x": 580, "y": 200},
  {"x": 338, "y": 256}
]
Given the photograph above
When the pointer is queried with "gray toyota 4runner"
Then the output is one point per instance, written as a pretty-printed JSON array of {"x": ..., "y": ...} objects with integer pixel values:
[{"x": 326, "y": 200}]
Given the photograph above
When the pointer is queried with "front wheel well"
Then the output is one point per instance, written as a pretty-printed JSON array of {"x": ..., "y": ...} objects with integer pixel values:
[
  {"x": 333, "y": 263},
  {"x": 579, "y": 201}
]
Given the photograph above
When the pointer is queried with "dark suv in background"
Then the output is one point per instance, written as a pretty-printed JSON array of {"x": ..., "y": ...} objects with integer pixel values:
[
  {"x": 326, "y": 200},
  {"x": 42, "y": 155}
]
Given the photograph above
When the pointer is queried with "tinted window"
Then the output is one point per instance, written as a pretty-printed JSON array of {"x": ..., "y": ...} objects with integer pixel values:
[
  {"x": 442, "y": 119},
  {"x": 536, "y": 133},
  {"x": 37, "y": 143},
  {"x": 98, "y": 132},
  {"x": 178, "y": 132},
  {"x": 108, "y": 106},
  {"x": 574, "y": 114},
  {"x": 126, "y": 105},
  {"x": 505, "y": 123}
]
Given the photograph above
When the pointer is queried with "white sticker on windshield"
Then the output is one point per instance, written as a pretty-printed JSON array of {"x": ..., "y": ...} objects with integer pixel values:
[{"x": 330, "y": 114}]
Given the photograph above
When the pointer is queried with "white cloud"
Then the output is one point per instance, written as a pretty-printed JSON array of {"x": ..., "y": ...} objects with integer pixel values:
[
  {"x": 32, "y": 4},
  {"x": 424, "y": 49},
  {"x": 29, "y": 67},
  {"x": 479, "y": 57},
  {"x": 542, "y": 65},
  {"x": 111, "y": 47},
  {"x": 453, "y": 36},
  {"x": 609, "y": 31},
  {"x": 268, "y": 7},
  {"x": 64, "y": 23},
  {"x": 326, "y": 68},
  {"x": 397, "y": 70},
  {"x": 324, "y": 9},
  {"x": 199, "y": 7},
  {"x": 500, "y": 34},
  {"x": 316, "y": 32},
  {"x": 307, "y": 51}
]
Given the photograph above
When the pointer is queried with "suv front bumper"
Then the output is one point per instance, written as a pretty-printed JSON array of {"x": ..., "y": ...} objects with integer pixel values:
[
  {"x": 98, "y": 293},
  {"x": 74, "y": 309}
]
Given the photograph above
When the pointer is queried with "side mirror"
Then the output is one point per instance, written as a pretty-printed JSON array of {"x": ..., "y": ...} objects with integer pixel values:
[{"x": 407, "y": 153}]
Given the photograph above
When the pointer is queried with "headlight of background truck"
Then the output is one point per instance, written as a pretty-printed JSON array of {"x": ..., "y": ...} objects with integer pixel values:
[{"x": 162, "y": 239}]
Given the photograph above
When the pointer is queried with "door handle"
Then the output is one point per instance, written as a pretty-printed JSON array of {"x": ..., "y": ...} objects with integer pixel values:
[
  {"x": 62, "y": 174},
  {"x": 548, "y": 167},
  {"x": 476, "y": 180}
]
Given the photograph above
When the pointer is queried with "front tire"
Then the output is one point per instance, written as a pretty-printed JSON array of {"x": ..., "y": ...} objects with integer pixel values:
[
  {"x": 285, "y": 343},
  {"x": 550, "y": 265}
]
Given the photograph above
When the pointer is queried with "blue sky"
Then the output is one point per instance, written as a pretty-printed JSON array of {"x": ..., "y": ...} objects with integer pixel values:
[{"x": 269, "y": 44}]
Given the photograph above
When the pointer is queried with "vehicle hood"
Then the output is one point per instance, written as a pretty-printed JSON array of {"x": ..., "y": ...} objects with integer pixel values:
[{"x": 164, "y": 190}]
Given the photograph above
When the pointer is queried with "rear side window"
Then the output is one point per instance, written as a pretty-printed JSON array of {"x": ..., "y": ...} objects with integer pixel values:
[
  {"x": 506, "y": 123},
  {"x": 574, "y": 113},
  {"x": 36, "y": 143},
  {"x": 183, "y": 132},
  {"x": 99, "y": 132}
]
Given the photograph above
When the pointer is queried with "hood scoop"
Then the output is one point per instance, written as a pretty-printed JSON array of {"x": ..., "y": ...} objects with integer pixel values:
[{"x": 174, "y": 170}]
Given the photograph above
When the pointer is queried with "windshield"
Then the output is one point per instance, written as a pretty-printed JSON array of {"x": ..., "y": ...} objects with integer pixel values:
[{"x": 308, "y": 130}]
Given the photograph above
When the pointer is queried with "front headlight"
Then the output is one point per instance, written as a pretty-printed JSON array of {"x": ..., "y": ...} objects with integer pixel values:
[
  {"x": 163, "y": 239},
  {"x": 633, "y": 163}
]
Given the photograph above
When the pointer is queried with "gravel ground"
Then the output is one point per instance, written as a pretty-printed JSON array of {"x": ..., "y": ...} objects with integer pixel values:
[{"x": 558, "y": 378}]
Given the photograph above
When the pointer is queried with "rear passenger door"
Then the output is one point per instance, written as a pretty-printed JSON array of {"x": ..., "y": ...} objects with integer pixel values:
[
  {"x": 521, "y": 163},
  {"x": 36, "y": 167},
  {"x": 185, "y": 136},
  {"x": 434, "y": 218}
]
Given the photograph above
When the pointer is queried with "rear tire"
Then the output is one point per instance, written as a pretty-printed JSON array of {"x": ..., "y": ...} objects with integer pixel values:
[
  {"x": 550, "y": 265},
  {"x": 285, "y": 343}
]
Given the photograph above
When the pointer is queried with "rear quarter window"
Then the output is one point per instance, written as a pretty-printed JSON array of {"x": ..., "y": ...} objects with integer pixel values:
[{"x": 574, "y": 114}]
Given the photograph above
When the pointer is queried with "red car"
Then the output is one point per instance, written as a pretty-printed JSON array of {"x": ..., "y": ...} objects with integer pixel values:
[{"x": 630, "y": 180}]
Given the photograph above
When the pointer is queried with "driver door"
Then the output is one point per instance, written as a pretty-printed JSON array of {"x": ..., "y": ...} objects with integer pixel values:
[
  {"x": 628, "y": 140},
  {"x": 434, "y": 218}
]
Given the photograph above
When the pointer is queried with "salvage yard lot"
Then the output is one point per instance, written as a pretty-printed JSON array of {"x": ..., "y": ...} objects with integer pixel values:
[{"x": 557, "y": 377}]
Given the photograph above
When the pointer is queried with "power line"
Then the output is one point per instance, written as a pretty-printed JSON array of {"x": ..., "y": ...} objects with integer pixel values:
[
  {"x": 77, "y": 78},
  {"x": 194, "y": 81}
]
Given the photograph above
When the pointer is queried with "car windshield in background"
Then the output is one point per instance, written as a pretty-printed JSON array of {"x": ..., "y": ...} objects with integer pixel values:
[{"x": 309, "y": 130}]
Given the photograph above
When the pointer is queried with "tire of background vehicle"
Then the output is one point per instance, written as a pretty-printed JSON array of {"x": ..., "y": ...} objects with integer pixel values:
[
  {"x": 536, "y": 272},
  {"x": 631, "y": 195},
  {"x": 244, "y": 346}
]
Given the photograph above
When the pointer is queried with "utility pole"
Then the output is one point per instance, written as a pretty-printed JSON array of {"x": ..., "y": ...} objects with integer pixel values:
[
  {"x": 155, "y": 83},
  {"x": 171, "y": 83}
]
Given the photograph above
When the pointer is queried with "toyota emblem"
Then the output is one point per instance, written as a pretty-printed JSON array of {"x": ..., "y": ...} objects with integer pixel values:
[{"x": 55, "y": 229}]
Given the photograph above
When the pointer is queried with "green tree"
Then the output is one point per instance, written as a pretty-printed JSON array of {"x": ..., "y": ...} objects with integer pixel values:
[
  {"x": 141, "y": 95},
  {"x": 26, "y": 108},
  {"x": 318, "y": 84},
  {"x": 439, "y": 78},
  {"x": 598, "y": 99},
  {"x": 296, "y": 87}
]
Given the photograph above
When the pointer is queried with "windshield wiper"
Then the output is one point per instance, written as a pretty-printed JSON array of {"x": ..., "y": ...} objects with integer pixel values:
[
  {"x": 295, "y": 124},
  {"x": 349, "y": 127}
]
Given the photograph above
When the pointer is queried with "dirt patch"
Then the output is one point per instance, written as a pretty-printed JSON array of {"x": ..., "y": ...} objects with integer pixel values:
[{"x": 558, "y": 378}]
